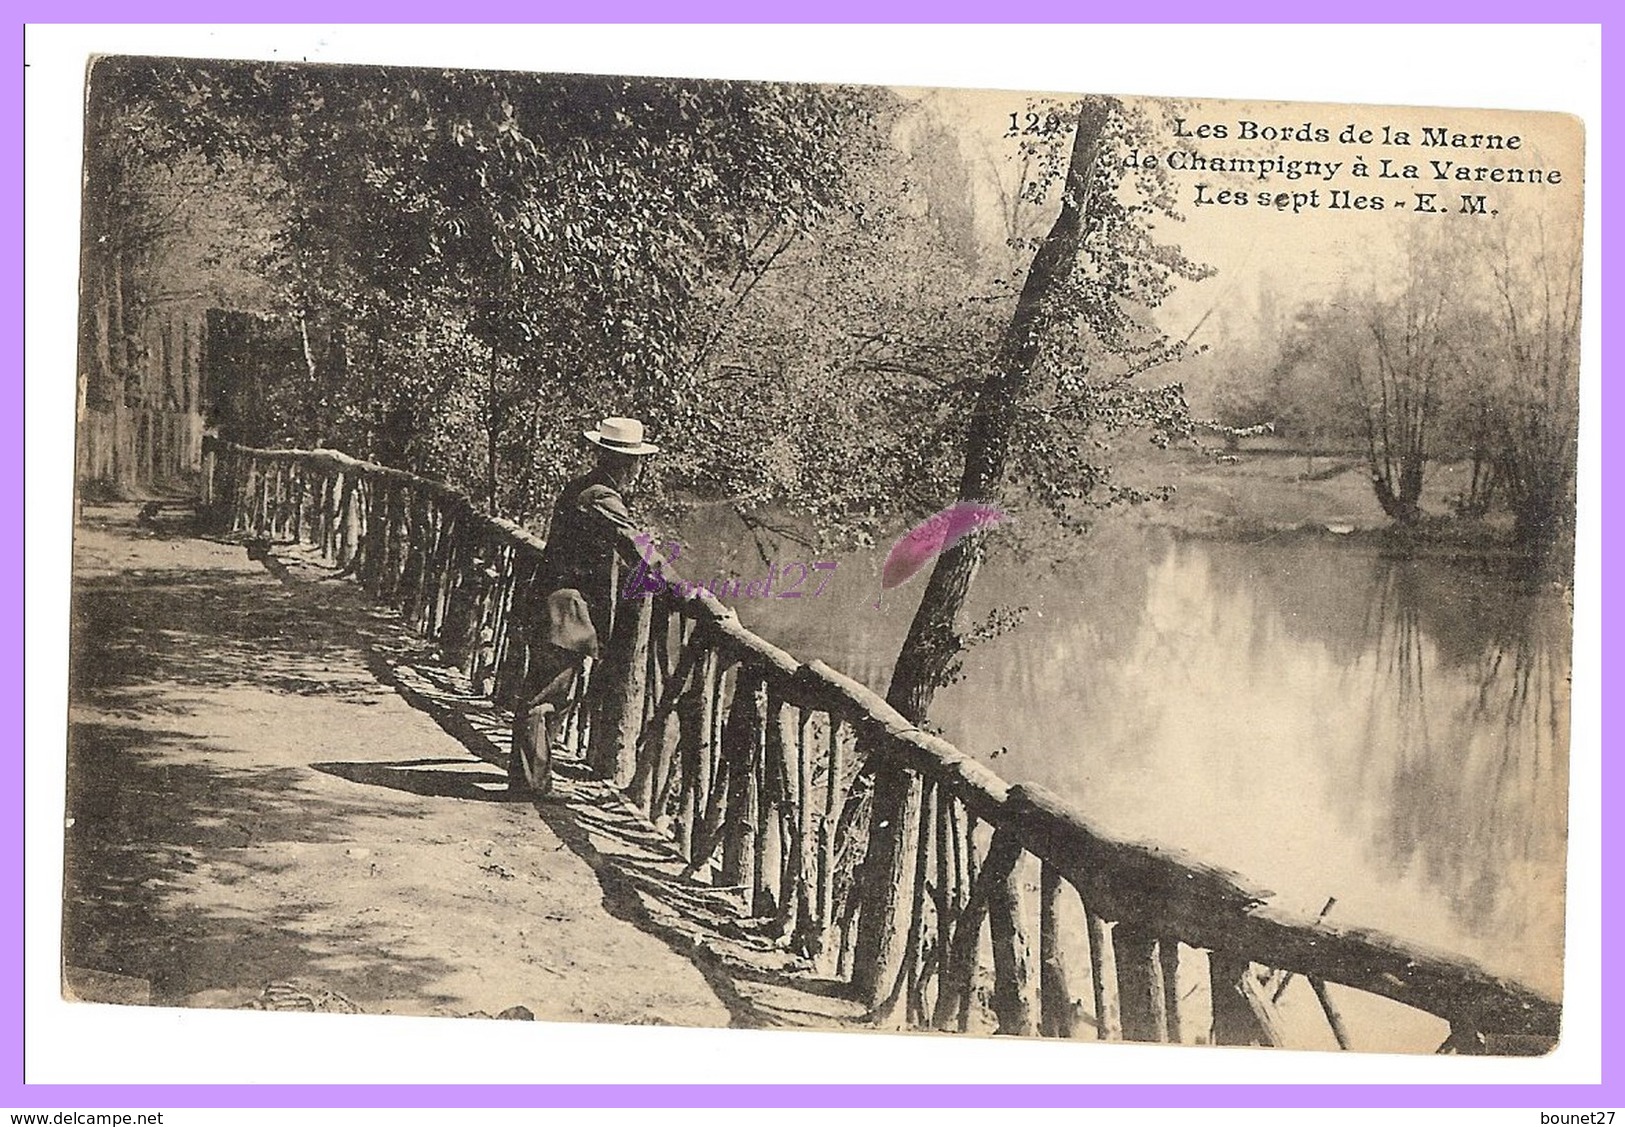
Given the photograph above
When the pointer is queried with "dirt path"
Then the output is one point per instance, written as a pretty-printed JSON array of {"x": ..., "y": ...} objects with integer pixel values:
[{"x": 270, "y": 780}]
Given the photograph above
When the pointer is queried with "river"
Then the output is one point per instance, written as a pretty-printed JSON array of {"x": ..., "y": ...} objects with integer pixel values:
[{"x": 1332, "y": 724}]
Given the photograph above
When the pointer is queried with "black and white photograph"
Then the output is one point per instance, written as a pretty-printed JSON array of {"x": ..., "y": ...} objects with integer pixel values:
[{"x": 778, "y": 555}]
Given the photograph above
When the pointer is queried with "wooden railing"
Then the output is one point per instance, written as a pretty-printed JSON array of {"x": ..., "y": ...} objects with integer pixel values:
[{"x": 882, "y": 854}]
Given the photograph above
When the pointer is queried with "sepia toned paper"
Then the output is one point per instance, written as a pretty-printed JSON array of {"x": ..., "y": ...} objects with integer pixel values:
[{"x": 1252, "y": 725}]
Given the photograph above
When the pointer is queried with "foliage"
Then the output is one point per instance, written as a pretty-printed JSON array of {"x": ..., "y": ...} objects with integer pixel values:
[
  {"x": 1393, "y": 350},
  {"x": 1261, "y": 374},
  {"x": 1523, "y": 368},
  {"x": 474, "y": 264},
  {"x": 1101, "y": 332},
  {"x": 576, "y": 228},
  {"x": 1470, "y": 350},
  {"x": 845, "y": 376},
  {"x": 154, "y": 238},
  {"x": 1065, "y": 369}
]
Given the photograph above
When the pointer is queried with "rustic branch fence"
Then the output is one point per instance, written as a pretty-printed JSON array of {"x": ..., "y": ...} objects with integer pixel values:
[{"x": 944, "y": 897}]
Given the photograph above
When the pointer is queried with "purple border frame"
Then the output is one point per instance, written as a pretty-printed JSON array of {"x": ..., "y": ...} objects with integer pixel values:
[{"x": 15, "y": 1093}]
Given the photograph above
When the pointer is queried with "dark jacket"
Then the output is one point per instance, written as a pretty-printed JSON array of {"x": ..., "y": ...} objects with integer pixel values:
[{"x": 580, "y": 547}]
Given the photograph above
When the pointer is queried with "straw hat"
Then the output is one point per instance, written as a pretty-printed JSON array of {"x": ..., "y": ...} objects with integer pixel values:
[{"x": 624, "y": 436}]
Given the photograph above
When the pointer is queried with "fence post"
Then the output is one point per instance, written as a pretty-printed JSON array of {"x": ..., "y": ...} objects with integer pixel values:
[
  {"x": 887, "y": 873},
  {"x": 1012, "y": 975},
  {"x": 1173, "y": 1010},
  {"x": 743, "y": 735},
  {"x": 347, "y": 506},
  {"x": 1241, "y": 1015},
  {"x": 614, "y": 749},
  {"x": 1055, "y": 997},
  {"x": 1139, "y": 983},
  {"x": 206, "y": 482}
]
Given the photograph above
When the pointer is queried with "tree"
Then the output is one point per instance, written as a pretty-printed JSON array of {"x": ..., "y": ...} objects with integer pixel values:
[
  {"x": 1527, "y": 367},
  {"x": 1470, "y": 349},
  {"x": 854, "y": 351},
  {"x": 157, "y": 249},
  {"x": 1065, "y": 370},
  {"x": 578, "y": 228},
  {"x": 1393, "y": 345}
]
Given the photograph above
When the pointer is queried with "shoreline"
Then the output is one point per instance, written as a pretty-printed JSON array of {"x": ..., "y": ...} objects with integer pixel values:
[{"x": 1259, "y": 496}]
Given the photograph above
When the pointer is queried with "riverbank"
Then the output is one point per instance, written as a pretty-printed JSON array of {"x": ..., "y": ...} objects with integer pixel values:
[
  {"x": 1266, "y": 491},
  {"x": 1254, "y": 495}
]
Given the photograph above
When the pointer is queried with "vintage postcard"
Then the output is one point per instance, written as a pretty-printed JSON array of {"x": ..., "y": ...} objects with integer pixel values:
[{"x": 714, "y": 553}]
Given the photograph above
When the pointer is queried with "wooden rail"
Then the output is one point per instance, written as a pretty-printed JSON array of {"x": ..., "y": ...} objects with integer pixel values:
[{"x": 947, "y": 898}]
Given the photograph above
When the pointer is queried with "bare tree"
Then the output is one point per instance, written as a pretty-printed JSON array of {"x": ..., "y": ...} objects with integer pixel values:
[
  {"x": 1530, "y": 358},
  {"x": 1394, "y": 350}
]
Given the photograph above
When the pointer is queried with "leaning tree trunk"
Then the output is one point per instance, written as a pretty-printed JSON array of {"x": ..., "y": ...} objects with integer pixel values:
[
  {"x": 933, "y": 638},
  {"x": 892, "y": 808}
]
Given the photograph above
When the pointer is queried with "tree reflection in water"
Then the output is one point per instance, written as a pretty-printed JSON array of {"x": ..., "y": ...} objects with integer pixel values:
[
  {"x": 1392, "y": 733},
  {"x": 1481, "y": 808}
]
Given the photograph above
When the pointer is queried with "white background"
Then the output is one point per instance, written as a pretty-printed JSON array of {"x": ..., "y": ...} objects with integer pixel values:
[{"x": 1517, "y": 67}]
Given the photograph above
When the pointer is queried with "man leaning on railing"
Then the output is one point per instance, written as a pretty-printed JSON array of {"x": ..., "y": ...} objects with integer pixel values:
[{"x": 568, "y": 612}]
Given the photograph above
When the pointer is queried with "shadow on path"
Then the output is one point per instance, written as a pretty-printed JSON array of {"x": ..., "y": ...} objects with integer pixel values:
[
  {"x": 146, "y": 829},
  {"x": 180, "y": 832},
  {"x": 483, "y": 786},
  {"x": 760, "y": 982},
  {"x": 640, "y": 873}
]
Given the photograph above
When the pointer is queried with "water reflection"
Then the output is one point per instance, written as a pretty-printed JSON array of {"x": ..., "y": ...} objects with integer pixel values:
[{"x": 1324, "y": 720}]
